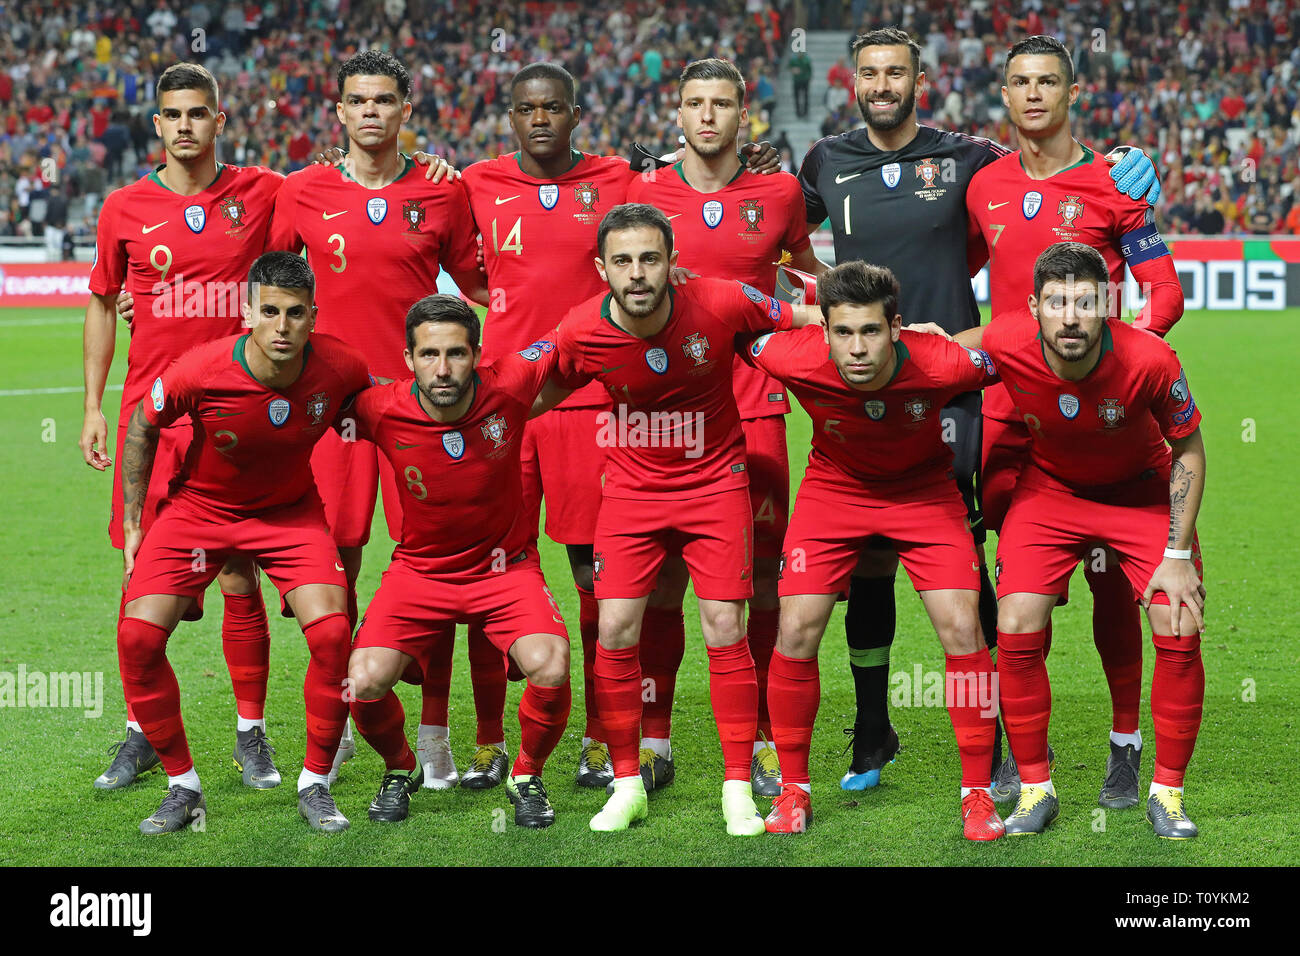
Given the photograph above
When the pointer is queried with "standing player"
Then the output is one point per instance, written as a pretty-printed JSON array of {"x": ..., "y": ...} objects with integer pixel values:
[
  {"x": 914, "y": 178},
  {"x": 259, "y": 403},
  {"x": 878, "y": 468},
  {"x": 1057, "y": 189},
  {"x": 538, "y": 210},
  {"x": 731, "y": 224},
  {"x": 467, "y": 553},
  {"x": 674, "y": 482},
  {"x": 181, "y": 240},
  {"x": 376, "y": 234},
  {"x": 1101, "y": 399}
]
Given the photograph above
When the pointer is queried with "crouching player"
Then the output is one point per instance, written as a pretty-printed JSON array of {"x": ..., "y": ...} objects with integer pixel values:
[
  {"x": 1101, "y": 400},
  {"x": 259, "y": 403},
  {"x": 453, "y": 436},
  {"x": 878, "y": 472}
]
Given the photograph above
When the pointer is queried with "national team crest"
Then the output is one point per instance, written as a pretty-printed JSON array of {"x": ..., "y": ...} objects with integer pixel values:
[
  {"x": 494, "y": 430},
  {"x": 597, "y": 564},
  {"x": 233, "y": 211},
  {"x": 587, "y": 195},
  {"x": 413, "y": 214},
  {"x": 917, "y": 407},
  {"x": 928, "y": 171},
  {"x": 1069, "y": 406},
  {"x": 1070, "y": 208},
  {"x": 657, "y": 359},
  {"x": 712, "y": 213},
  {"x": 696, "y": 347},
  {"x": 1111, "y": 412},
  {"x": 317, "y": 405},
  {"x": 278, "y": 412},
  {"x": 454, "y": 444},
  {"x": 196, "y": 217},
  {"x": 891, "y": 174},
  {"x": 377, "y": 209},
  {"x": 548, "y": 195},
  {"x": 751, "y": 214},
  {"x": 875, "y": 409},
  {"x": 1032, "y": 202}
]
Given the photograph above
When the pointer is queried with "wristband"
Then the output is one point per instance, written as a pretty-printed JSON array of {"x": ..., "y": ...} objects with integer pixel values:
[{"x": 1180, "y": 555}]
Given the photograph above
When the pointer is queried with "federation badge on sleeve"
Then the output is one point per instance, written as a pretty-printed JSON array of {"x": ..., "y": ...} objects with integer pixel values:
[
  {"x": 1069, "y": 406},
  {"x": 875, "y": 409},
  {"x": 377, "y": 209},
  {"x": 156, "y": 393},
  {"x": 712, "y": 213},
  {"x": 1032, "y": 202},
  {"x": 196, "y": 217},
  {"x": 657, "y": 359},
  {"x": 756, "y": 347},
  {"x": 1179, "y": 391},
  {"x": 278, "y": 412},
  {"x": 548, "y": 195},
  {"x": 891, "y": 174},
  {"x": 454, "y": 444},
  {"x": 752, "y": 294}
]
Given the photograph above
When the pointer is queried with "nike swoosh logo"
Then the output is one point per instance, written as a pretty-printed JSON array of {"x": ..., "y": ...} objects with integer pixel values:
[
  {"x": 400, "y": 447},
  {"x": 501, "y": 201},
  {"x": 674, "y": 215},
  {"x": 332, "y": 215},
  {"x": 337, "y": 566},
  {"x": 1023, "y": 392},
  {"x": 612, "y": 368},
  {"x": 148, "y": 229},
  {"x": 999, "y": 205},
  {"x": 844, "y": 179},
  {"x": 221, "y": 414}
]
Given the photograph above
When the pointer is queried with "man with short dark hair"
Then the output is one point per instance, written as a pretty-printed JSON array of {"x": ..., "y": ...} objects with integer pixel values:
[
  {"x": 467, "y": 554},
  {"x": 878, "y": 470},
  {"x": 258, "y": 407}
]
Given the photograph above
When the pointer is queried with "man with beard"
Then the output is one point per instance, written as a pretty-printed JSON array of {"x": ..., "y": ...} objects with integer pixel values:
[{"x": 895, "y": 196}]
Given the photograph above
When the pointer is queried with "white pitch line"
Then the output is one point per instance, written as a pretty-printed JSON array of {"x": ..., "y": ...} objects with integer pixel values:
[
  {"x": 61, "y": 390},
  {"x": 22, "y": 323}
]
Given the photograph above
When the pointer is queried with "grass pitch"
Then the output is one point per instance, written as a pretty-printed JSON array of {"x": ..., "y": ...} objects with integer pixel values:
[{"x": 58, "y": 606}]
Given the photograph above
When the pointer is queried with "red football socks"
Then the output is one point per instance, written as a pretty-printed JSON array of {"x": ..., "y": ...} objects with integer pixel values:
[
  {"x": 1026, "y": 701},
  {"x": 437, "y": 680},
  {"x": 487, "y": 674},
  {"x": 246, "y": 642},
  {"x": 382, "y": 723},
  {"x": 543, "y": 715},
  {"x": 762, "y": 642},
  {"x": 618, "y": 695},
  {"x": 733, "y": 691},
  {"x": 794, "y": 690},
  {"x": 1177, "y": 695},
  {"x": 589, "y": 629},
  {"x": 329, "y": 639},
  {"x": 152, "y": 693},
  {"x": 663, "y": 643},
  {"x": 969, "y": 690}
]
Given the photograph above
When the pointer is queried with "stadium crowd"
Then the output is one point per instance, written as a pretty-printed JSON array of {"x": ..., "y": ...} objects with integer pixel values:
[{"x": 1207, "y": 88}]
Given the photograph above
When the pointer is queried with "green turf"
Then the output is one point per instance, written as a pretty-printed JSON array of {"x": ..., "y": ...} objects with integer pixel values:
[{"x": 59, "y": 605}]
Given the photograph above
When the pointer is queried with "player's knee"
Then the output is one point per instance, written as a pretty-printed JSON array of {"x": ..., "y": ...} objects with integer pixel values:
[
  {"x": 329, "y": 639},
  {"x": 1188, "y": 637},
  {"x": 367, "y": 677},
  {"x": 140, "y": 644},
  {"x": 799, "y": 639},
  {"x": 546, "y": 663},
  {"x": 961, "y": 635}
]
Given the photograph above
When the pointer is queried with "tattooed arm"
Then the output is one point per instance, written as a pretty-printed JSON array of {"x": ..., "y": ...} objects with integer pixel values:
[
  {"x": 1177, "y": 577},
  {"x": 138, "y": 451}
]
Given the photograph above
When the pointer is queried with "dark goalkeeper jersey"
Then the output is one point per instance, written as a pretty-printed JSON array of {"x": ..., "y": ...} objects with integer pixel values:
[{"x": 905, "y": 210}]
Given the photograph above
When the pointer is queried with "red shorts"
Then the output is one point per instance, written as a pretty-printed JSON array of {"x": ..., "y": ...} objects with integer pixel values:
[
  {"x": 413, "y": 612},
  {"x": 562, "y": 461},
  {"x": 1047, "y": 532},
  {"x": 713, "y": 534},
  {"x": 173, "y": 443},
  {"x": 184, "y": 551},
  {"x": 348, "y": 474},
  {"x": 769, "y": 482},
  {"x": 832, "y": 525},
  {"x": 1005, "y": 454}
]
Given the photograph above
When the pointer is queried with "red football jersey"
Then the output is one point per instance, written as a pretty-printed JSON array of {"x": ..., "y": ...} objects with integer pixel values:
[
  {"x": 375, "y": 252},
  {"x": 460, "y": 482},
  {"x": 1107, "y": 429},
  {"x": 737, "y": 233},
  {"x": 252, "y": 444},
  {"x": 185, "y": 259},
  {"x": 539, "y": 247},
  {"x": 888, "y": 441},
  {"x": 674, "y": 431},
  {"x": 1018, "y": 217}
]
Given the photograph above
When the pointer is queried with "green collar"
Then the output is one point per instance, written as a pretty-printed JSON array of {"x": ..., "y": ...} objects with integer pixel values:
[
  {"x": 239, "y": 356},
  {"x": 575, "y": 154},
  {"x": 407, "y": 163},
  {"x": 900, "y": 356},
  {"x": 1087, "y": 158},
  {"x": 473, "y": 397},
  {"x": 678, "y": 166},
  {"x": 153, "y": 176},
  {"x": 1107, "y": 345}
]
